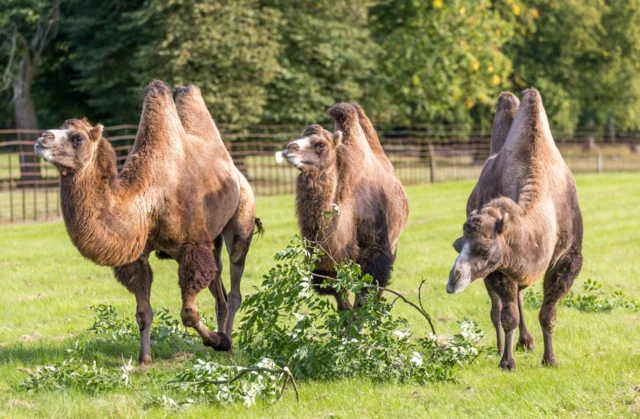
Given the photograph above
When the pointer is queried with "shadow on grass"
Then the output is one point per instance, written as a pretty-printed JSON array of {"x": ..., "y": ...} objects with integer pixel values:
[{"x": 104, "y": 350}]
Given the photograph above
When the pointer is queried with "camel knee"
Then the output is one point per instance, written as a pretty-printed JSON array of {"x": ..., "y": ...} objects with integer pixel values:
[
  {"x": 509, "y": 318},
  {"x": 190, "y": 316},
  {"x": 144, "y": 318},
  {"x": 547, "y": 319}
]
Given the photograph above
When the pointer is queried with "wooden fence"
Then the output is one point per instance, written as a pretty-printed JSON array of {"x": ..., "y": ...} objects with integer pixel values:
[{"x": 29, "y": 186}]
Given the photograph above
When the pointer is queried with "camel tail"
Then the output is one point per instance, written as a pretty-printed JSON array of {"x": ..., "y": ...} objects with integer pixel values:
[{"x": 259, "y": 231}]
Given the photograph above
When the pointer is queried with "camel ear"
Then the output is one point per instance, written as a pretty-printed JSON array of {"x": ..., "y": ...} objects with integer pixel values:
[
  {"x": 337, "y": 138},
  {"x": 96, "y": 132},
  {"x": 501, "y": 224}
]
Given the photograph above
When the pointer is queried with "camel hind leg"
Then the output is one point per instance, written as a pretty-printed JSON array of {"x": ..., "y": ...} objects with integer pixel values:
[
  {"x": 217, "y": 287},
  {"x": 525, "y": 340},
  {"x": 137, "y": 277},
  {"x": 238, "y": 234},
  {"x": 557, "y": 284}
]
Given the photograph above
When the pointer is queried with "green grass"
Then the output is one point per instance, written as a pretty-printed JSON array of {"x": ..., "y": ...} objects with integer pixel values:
[{"x": 48, "y": 287}]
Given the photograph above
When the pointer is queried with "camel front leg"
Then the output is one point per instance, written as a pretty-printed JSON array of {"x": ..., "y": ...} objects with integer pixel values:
[
  {"x": 496, "y": 309},
  {"x": 507, "y": 290},
  {"x": 197, "y": 270},
  {"x": 137, "y": 277}
]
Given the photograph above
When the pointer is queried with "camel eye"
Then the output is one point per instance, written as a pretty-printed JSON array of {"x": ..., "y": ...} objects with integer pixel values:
[
  {"x": 320, "y": 145},
  {"x": 77, "y": 139}
]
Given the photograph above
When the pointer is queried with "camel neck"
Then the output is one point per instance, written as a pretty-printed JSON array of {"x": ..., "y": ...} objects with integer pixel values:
[
  {"x": 525, "y": 236},
  {"x": 315, "y": 194},
  {"x": 107, "y": 227}
]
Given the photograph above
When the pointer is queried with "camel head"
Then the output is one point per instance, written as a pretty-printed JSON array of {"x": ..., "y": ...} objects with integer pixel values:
[
  {"x": 315, "y": 151},
  {"x": 484, "y": 243},
  {"x": 70, "y": 148}
]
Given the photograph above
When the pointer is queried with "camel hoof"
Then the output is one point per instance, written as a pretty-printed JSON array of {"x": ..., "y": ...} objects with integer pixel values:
[
  {"x": 549, "y": 362},
  {"x": 525, "y": 343},
  {"x": 508, "y": 364},
  {"x": 224, "y": 345}
]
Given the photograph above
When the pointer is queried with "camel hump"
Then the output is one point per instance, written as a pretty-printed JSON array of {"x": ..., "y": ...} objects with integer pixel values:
[
  {"x": 346, "y": 120},
  {"x": 506, "y": 109},
  {"x": 531, "y": 126},
  {"x": 194, "y": 114},
  {"x": 159, "y": 123},
  {"x": 156, "y": 88},
  {"x": 372, "y": 137}
]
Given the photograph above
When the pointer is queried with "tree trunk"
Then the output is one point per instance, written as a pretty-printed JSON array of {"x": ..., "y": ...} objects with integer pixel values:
[{"x": 25, "y": 113}]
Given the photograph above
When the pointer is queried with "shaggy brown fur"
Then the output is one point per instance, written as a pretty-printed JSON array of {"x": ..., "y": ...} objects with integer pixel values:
[
  {"x": 178, "y": 193},
  {"x": 348, "y": 169},
  {"x": 523, "y": 222}
]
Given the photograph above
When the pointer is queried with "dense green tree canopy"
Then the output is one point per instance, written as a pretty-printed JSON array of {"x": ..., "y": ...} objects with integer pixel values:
[{"x": 275, "y": 61}]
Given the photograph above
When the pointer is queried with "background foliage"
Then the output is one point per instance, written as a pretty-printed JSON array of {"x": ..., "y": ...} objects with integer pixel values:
[{"x": 274, "y": 61}]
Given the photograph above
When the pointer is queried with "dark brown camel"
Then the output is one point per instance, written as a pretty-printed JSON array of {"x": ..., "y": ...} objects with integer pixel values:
[
  {"x": 349, "y": 169},
  {"x": 523, "y": 221},
  {"x": 178, "y": 193}
]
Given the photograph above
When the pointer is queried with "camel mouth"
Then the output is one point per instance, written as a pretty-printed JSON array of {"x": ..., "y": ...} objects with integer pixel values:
[
  {"x": 43, "y": 151},
  {"x": 457, "y": 286}
]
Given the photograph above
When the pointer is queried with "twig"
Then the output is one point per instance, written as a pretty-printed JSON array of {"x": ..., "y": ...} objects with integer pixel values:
[
  {"x": 379, "y": 288},
  {"x": 244, "y": 371},
  {"x": 130, "y": 384}
]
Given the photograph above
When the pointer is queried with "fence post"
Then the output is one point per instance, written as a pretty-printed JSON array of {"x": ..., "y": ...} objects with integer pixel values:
[
  {"x": 432, "y": 158},
  {"x": 600, "y": 163}
]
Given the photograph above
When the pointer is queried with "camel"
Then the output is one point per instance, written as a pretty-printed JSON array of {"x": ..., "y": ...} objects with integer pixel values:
[
  {"x": 178, "y": 193},
  {"x": 349, "y": 169},
  {"x": 523, "y": 221}
]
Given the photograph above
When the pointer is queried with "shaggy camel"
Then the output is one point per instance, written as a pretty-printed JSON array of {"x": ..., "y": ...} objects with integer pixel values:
[
  {"x": 523, "y": 221},
  {"x": 178, "y": 193},
  {"x": 349, "y": 169}
]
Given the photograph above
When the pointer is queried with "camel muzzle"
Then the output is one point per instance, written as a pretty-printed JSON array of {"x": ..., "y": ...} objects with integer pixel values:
[{"x": 457, "y": 282}]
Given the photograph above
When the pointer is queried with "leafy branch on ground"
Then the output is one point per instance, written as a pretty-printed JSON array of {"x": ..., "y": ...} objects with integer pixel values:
[
  {"x": 75, "y": 372},
  {"x": 289, "y": 323},
  {"x": 594, "y": 299},
  {"x": 165, "y": 328},
  {"x": 287, "y": 330}
]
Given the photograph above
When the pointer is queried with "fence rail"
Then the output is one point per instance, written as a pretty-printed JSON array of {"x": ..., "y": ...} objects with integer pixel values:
[{"x": 29, "y": 188}]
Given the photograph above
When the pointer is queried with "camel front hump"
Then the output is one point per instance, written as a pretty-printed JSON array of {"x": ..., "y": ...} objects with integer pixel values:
[
  {"x": 346, "y": 173},
  {"x": 178, "y": 193},
  {"x": 523, "y": 223}
]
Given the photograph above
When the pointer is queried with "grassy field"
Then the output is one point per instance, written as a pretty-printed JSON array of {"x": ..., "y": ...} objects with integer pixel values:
[{"x": 48, "y": 288}]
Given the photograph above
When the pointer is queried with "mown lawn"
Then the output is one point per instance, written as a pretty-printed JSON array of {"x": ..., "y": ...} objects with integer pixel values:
[{"x": 47, "y": 289}]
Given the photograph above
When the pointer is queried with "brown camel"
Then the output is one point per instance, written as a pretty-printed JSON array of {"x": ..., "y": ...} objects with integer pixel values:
[
  {"x": 178, "y": 193},
  {"x": 349, "y": 169},
  {"x": 523, "y": 221}
]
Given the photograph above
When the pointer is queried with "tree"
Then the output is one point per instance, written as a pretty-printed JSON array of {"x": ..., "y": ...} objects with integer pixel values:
[
  {"x": 102, "y": 41},
  {"x": 584, "y": 56},
  {"x": 228, "y": 48},
  {"x": 28, "y": 27},
  {"x": 443, "y": 59},
  {"x": 328, "y": 56}
]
